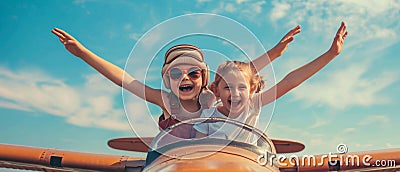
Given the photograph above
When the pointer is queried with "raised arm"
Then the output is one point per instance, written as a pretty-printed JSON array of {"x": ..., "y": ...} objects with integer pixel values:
[
  {"x": 276, "y": 51},
  {"x": 109, "y": 70},
  {"x": 296, "y": 77}
]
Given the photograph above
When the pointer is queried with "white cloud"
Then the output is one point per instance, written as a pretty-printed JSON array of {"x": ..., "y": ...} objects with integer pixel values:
[
  {"x": 257, "y": 6},
  {"x": 319, "y": 122},
  {"x": 82, "y": 1},
  {"x": 241, "y": 1},
  {"x": 90, "y": 104},
  {"x": 389, "y": 145},
  {"x": 346, "y": 87},
  {"x": 247, "y": 9},
  {"x": 349, "y": 130},
  {"x": 373, "y": 119},
  {"x": 373, "y": 6},
  {"x": 230, "y": 8},
  {"x": 364, "y": 146},
  {"x": 128, "y": 26},
  {"x": 316, "y": 142},
  {"x": 279, "y": 10},
  {"x": 144, "y": 73},
  {"x": 15, "y": 106},
  {"x": 31, "y": 89},
  {"x": 366, "y": 20},
  {"x": 135, "y": 36},
  {"x": 203, "y": 1},
  {"x": 150, "y": 39},
  {"x": 140, "y": 118}
]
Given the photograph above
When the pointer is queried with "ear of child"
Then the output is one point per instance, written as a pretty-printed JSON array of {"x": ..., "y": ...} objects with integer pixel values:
[{"x": 213, "y": 88}]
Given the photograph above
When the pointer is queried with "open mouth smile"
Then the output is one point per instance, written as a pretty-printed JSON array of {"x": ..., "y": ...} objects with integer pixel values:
[
  {"x": 234, "y": 103},
  {"x": 186, "y": 88}
]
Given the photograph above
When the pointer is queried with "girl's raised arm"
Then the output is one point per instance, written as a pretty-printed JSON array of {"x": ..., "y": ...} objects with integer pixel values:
[
  {"x": 109, "y": 70},
  {"x": 296, "y": 77},
  {"x": 276, "y": 51}
]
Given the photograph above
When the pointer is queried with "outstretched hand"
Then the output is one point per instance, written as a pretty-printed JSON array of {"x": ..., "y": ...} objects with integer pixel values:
[
  {"x": 70, "y": 43},
  {"x": 337, "y": 43},
  {"x": 280, "y": 48}
]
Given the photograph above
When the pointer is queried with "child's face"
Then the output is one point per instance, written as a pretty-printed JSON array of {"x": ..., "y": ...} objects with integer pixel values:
[
  {"x": 234, "y": 92},
  {"x": 186, "y": 81}
]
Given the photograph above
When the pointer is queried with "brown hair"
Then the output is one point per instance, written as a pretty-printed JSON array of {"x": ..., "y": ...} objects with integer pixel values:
[{"x": 255, "y": 80}]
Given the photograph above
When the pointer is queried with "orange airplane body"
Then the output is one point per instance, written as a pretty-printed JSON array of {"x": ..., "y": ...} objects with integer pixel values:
[{"x": 193, "y": 155}]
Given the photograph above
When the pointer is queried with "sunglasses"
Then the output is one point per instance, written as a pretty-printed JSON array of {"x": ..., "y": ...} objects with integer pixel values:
[{"x": 193, "y": 73}]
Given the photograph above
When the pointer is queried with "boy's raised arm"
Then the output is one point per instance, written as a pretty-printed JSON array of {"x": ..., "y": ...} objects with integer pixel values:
[
  {"x": 296, "y": 77},
  {"x": 109, "y": 70},
  {"x": 276, "y": 51}
]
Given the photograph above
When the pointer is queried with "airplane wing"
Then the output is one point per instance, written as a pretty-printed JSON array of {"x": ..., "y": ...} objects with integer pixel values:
[
  {"x": 137, "y": 144},
  {"x": 44, "y": 159},
  {"x": 31, "y": 167}
]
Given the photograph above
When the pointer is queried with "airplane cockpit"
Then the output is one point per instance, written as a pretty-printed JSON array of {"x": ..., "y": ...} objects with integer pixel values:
[{"x": 234, "y": 146}]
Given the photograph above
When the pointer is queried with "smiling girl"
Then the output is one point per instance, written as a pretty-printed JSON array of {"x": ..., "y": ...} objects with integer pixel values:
[{"x": 238, "y": 85}]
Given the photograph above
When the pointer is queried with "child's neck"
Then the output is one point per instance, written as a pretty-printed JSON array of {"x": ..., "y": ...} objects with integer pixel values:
[
  {"x": 190, "y": 105},
  {"x": 227, "y": 113}
]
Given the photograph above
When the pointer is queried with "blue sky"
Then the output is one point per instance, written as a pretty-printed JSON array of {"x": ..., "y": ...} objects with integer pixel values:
[{"x": 49, "y": 98}]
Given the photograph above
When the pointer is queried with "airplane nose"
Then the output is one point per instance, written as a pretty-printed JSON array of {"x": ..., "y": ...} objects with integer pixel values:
[{"x": 201, "y": 158}]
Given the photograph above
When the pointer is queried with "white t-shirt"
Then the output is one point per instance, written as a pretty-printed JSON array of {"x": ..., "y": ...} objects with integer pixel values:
[{"x": 230, "y": 131}]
